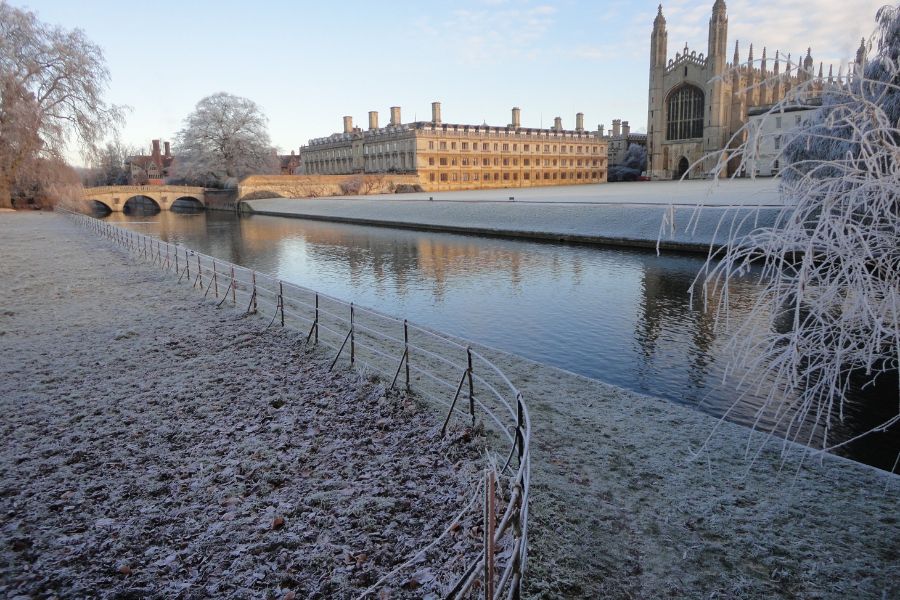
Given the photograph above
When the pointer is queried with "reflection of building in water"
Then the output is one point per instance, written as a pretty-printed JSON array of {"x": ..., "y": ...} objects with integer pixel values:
[
  {"x": 665, "y": 307},
  {"x": 449, "y": 156}
]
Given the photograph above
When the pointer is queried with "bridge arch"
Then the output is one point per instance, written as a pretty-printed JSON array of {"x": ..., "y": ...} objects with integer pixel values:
[
  {"x": 141, "y": 204},
  {"x": 99, "y": 206},
  {"x": 187, "y": 204}
]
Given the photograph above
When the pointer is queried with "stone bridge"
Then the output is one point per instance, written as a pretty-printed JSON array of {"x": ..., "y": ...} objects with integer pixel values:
[{"x": 115, "y": 197}]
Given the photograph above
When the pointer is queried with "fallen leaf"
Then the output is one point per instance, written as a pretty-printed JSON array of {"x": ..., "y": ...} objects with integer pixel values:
[{"x": 278, "y": 523}]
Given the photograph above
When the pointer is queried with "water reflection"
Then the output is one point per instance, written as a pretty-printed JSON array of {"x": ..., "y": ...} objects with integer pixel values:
[{"x": 622, "y": 316}]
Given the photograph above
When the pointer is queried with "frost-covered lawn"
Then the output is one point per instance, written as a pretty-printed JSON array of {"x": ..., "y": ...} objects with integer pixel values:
[{"x": 154, "y": 446}]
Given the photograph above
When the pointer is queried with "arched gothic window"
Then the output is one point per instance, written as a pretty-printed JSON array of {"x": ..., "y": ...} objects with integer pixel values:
[{"x": 684, "y": 114}]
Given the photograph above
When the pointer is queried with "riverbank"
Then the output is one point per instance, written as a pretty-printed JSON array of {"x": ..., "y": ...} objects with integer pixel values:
[
  {"x": 622, "y": 507},
  {"x": 623, "y": 214},
  {"x": 157, "y": 447}
]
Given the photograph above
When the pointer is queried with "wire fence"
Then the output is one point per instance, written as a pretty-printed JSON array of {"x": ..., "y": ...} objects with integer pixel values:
[{"x": 434, "y": 366}]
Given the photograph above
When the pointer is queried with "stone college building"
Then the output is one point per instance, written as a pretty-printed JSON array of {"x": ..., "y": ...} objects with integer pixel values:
[
  {"x": 448, "y": 156},
  {"x": 698, "y": 102}
]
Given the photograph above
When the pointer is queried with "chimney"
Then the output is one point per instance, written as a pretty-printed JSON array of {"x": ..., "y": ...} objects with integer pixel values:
[
  {"x": 626, "y": 128},
  {"x": 395, "y": 115},
  {"x": 373, "y": 119},
  {"x": 600, "y": 129},
  {"x": 557, "y": 123},
  {"x": 155, "y": 151},
  {"x": 436, "y": 113},
  {"x": 348, "y": 124},
  {"x": 617, "y": 127},
  {"x": 516, "y": 118},
  {"x": 167, "y": 149},
  {"x": 579, "y": 122}
]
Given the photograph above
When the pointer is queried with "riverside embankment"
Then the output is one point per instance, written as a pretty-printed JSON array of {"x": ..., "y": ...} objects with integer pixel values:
[
  {"x": 629, "y": 498},
  {"x": 628, "y": 214}
]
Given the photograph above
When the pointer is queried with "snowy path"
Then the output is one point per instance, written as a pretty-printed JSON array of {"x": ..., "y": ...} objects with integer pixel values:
[
  {"x": 624, "y": 213},
  {"x": 150, "y": 442}
]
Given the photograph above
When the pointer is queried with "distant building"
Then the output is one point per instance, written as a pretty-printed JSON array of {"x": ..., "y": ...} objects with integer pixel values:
[
  {"x": 618, "y": 139},
  {"x": 699, "y": 102},
  {"x": 150, "y": 169},
  {"x": 772, "y": 130},
  {"x": 290, "y": 164},
  {"x": 447, "y": 156}
]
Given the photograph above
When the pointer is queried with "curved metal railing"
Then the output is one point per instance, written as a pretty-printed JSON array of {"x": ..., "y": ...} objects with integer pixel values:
[{"x": 435, "y": 366}]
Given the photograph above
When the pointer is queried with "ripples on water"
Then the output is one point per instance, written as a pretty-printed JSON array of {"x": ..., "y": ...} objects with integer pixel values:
[{"x": 619, "y": 315}]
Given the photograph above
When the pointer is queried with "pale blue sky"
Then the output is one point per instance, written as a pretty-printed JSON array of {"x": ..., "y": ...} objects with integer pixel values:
[{"x": 308, "y": 63}]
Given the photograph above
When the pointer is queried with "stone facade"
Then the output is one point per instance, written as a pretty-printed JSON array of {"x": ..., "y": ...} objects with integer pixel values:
[
  {"x": 446, "y": 156},
  {"x": 150, "y": 169},
  {"x": 770, "y": 131},
  {"x": 699, "y": 102},
  {"x": 315, "y": 186}
]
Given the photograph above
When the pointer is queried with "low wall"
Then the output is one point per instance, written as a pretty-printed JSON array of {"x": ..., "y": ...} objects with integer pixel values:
[
  {"x": 221, "y": 199},
  {"x": 315, "y": 186}
]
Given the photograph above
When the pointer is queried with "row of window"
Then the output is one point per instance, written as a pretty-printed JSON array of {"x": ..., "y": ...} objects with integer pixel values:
[
  {"x": 510, "y": 176},
  {"x": 465, "y": 161},
  {"x": 505, "y": 147}
]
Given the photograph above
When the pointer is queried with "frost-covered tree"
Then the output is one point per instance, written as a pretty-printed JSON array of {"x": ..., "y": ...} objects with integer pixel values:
[
  {"x": 51, "y": 94},
  {"x": 224, "y": 139},
  {"x": 107, "y": 164},
  {"x": 636, "y": 157},
  {"x": 830, "y": 266}
]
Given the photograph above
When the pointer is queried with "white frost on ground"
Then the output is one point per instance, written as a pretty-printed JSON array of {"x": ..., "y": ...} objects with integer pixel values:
[
  {"x": 620, "y": 507},
  {"x": 621, "y": 212},
  {"x": 152, "y": 444}
]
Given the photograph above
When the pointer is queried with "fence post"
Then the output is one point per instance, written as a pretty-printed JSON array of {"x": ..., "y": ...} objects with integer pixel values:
[
  {"x": 177, "y": 267},
  {"x": 281, "y": 300},
  {"x": 406, "y": 348},
  {"x": 215, "y": 280},
  {"x": 317, "y": 318},
  {"x": 490, "y": 524},
  {"x": 352, "y": 346},
  {"x": 199, "y": 272},
  {"x": 187, "y": 265},
  {"x": 233, "y": 285},
  {"x": 471, "y": 386}
]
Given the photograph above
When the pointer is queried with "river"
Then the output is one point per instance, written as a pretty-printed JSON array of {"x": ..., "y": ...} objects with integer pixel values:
[{"x": 623, "y": 316}]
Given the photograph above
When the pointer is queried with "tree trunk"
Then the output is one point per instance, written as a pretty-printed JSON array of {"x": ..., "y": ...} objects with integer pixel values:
[{"x": 5, "y": 197}]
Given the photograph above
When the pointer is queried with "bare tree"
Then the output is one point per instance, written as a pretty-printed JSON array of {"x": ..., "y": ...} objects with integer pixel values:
[
  {"x": 224, "y": 139},
  {"x": 52, "y": 83},
  {"x": 830, "y": 266},
  {"x": 108, "y": 164}
]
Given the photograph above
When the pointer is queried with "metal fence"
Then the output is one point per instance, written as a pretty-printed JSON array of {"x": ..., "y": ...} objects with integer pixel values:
[{"x": 436, "y": 367}]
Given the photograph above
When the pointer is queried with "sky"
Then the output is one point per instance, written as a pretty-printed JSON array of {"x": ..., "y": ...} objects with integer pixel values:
[{"x": 308, "y": 63}]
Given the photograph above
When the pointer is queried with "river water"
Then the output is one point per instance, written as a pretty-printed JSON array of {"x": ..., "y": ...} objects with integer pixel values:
[{"x": 619, "y": 315}]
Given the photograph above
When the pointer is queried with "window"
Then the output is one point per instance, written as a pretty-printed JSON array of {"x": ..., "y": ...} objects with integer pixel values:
[
  {"x": 496, "y": 176},
  {"x": 443, "y": 177},
  {"x": 515, "y": 147},
  {"x": 496, "y": 162},
  {"x": 506, "y": 177},
  {"x": 431, "y": 176},
  {"x": 505, "y": 162},
  {"x": 443, "y": 162},
  {"x": 431, "y": 144},
  {"x": 496, "y": 146},
  {"x": 526, "y": 176},
  {"x": 443, "y": 145},
  {"x": 526, "y": 147},
  {"x": 453, "y": 176},
  {"x": 431, "y": 161},
  {"x": 465, "y": 162},
  {"x": 797, "y": 120},
  {"x": 527, "y": 162},
  {"x": 546, "y": 147},
  {"x": 465, "y": 176},
  {"x": 485, "y": 146},
  {"x": 465, "y": 145},
  {"x": 778, "y": 142},
  {"x": 777, "y": 122},
  {"x": 506, "y": 147},
  {"x": 485, "y": 162},
  {"x": 453, "y": 145},
  {"x": 684, "y": 116}
]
